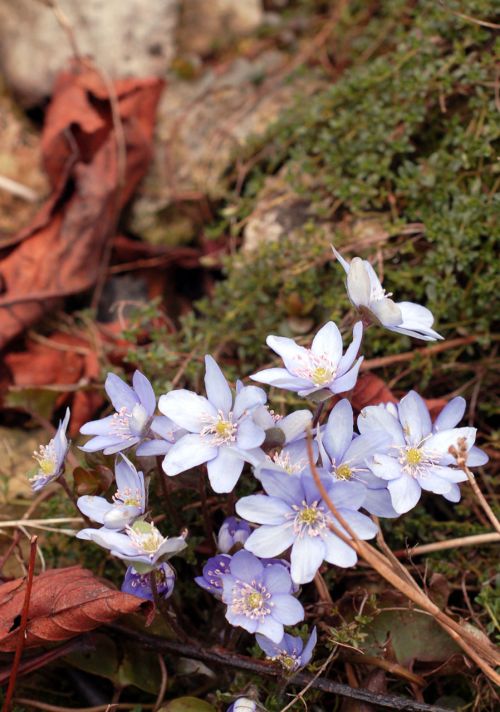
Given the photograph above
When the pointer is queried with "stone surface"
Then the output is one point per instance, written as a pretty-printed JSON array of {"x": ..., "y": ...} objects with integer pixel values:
[
  {"x": 125, "y": 38},
  {"x": 206, "y": 25},
  {"x": 204, "y": 124}
]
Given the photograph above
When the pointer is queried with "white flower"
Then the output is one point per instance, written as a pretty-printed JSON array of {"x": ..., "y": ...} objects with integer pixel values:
[{"x": 369, "y": 297}]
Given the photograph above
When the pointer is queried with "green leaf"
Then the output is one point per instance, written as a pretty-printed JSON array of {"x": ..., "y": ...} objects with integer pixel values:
[{"x": 187, "y": 704}]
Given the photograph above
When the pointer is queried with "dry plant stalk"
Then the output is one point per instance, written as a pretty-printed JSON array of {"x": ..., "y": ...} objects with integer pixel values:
[{"x": 472, "y": 641}]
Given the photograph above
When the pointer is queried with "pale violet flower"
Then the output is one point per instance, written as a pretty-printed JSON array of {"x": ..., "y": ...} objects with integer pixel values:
[
  {"x": 347, "y": 457},
  {"x": 129, "y": 500},
  {"x": 233, "y": 531},
  {"x": 163, "y": 433},
  {"x": 142, "y": 543},
  {"x": 219, "y": 431},
  {"x": 418, "y": 457},
  {"x": 294, "y": 514},
  {"x": 129, "y": 425},
  {"x": 259, "y": 597},
  {"x": 213, "y": 572},
  {"x": 243, "y": 704},
  {"x": 322, "y": 368},
  {"x": 288, "y": 449},
  {"x": 139, "y": 585},
  {"x": 369, "y": 297},
  {"x": 50, "y": 458},
  {"x": 290, "y": 652}
]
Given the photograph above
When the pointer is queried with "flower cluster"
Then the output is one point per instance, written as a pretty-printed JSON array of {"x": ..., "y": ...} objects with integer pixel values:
[{"x": 316, "y": 482}]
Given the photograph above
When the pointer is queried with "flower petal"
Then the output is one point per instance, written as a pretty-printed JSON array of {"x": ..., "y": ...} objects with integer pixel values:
[
  {"x": 120, "y": 393},
  {"x": 269, "y": 541},
  {"x": 246, "y": 567},
  {"x": 218, "y": 390},
  {"x": 339, "y": 431},
  {"x": 187, "y": 409},
  {"x": 262, "y": 509},
  {"x": 277, "y": 579},
  {"x": 291, "y": 353},
  {"x": 281, "y": 485},
  {"x": 191, "y": 450},
  {"x": 451, "y": 415},
  {"x": 280, "y": 378},
  {"x": 360, "y": 524},
  {"x": 386, "y": 312},
  {"x": 347, "y": 359},
  {"x": 287, "y": 609},
  {"x": 307, "y": 556},
  {"x": 345, "y": 264},
  {"x": 98, "y": 427},
  {"x": 225, "y": 469},
  {"x": 328, "y": 342},
  {"x": 145, "y": 392},
  {"x": 442, "y": 441},
  {"x": 249, "y": 435},
  {"x": 295, "y": 424},
  {"x": 431, "y": 482},
  {"x": 271, "y": 628},
  {"x": 358, "y": 283},
  {"x": 94, "y": 508},
  {"x": 348, "y": 380},
  {"x": 385, "y": 467},
  {"x": 405, "y": 493},
  {"x": 338, "y": 552},
  {"x": 476, "y": 457},
  {"x": 414, "y": 417},
  {"x": 417, "y": 321},
  {"x": 378, "y": 502}
]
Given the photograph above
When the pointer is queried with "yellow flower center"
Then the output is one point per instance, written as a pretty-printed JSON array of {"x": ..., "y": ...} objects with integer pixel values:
[
  {"x": 413, "y": 456},
  {"x": 46, "y": 466},
  {"x": 321, "y": 375},
  {"x": 254, "y": 600},
  {"x": 308, "y": 515},
  {"x": 224, "y": 428},
  {"x": 344, "y": 472}
]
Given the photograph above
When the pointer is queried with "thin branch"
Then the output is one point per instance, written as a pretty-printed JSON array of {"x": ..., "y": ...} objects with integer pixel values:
[
  {"x": 22, "y": 627},
  {"x": 226, "y": 659},
  {"x": 474, "y": 540}
]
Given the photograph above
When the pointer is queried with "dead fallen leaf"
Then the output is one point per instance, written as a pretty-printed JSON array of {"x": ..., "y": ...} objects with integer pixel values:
[
  {"x": 60, "y": 252},
  {"x": 371, "y": 390},
  {"x": 63, "y": 604}
]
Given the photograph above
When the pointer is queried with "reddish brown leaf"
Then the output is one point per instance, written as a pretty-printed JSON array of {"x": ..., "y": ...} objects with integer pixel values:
[
  {"x": 371, "y": 390},
  {"x": 61, "y": 251},
  {"x": 63, "y": 603}
]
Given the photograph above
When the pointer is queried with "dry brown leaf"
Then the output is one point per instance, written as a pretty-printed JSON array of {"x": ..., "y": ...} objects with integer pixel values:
[
  {"x": 63, "y": 604},
  {"x": 61, "y": 251}
]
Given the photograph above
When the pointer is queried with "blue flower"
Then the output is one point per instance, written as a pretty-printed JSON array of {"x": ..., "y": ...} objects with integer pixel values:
[
  {"x": 369, "y": 297},
  {"x": 50, "y": 458},
  {"x": 233, "y": 531},
  {"x": 213, "y": 572},
  {"x": 290, "y": 434},
  {"x": 322, "y": 369},
  {"x": 130, "y": 424},
  {"x": 163, "y": 433},
  {"x": 219, "y": 432},
  {"x": 139, "y": 585},
  {"x": 418, "y": 457},
  {"x": 129, "y": 500},
  {"x": 242, "y": 704},
  {"x": 294, "y": 514},
  {"x": 259, "y": 597},
  {"x": 141, "y": 543},
  {"x": 346, "y": 457},
  {"x": 290, "y": 652}
]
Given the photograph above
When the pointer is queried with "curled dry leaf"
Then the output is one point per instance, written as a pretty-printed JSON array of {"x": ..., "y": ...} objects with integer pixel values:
[
  {"x": 63, "y": 604},
  {"x": 61, "y": 251}
]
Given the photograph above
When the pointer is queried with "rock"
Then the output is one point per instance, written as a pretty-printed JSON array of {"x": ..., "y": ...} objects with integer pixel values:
[
  {"x": 206, "y": 25},
  {"x": 124, "y": 39},
  {"x": 202, "y": 126}
]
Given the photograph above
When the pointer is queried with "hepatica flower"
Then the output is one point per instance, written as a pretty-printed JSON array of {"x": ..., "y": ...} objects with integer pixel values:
[
  {"x": 163, "y": 433},
  {"x": 289, "y": 434},
  {"x": 418, "y": 457},
  {"x": 290, "y": 652},
  {"x": 369, "y": 297},
  {"x": 50, "y": 458},
  {"x": 242, "y": 704},
  {"x": 233, "y": 531},
  {"x": 129, "y": 500},
  {"x": 346, "y": 457},
  {"x": 140, "y": 543},
  {"x": 219, "y": 431},
  {"x": 139, "y": 585},
  {"x": 294, "y": 514},
  {"x": 322, "y": 368},
  {"x": 259, "y": 597},
  {"x": 213, "y": 572},
  {"x": 130, "y": 423}
]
